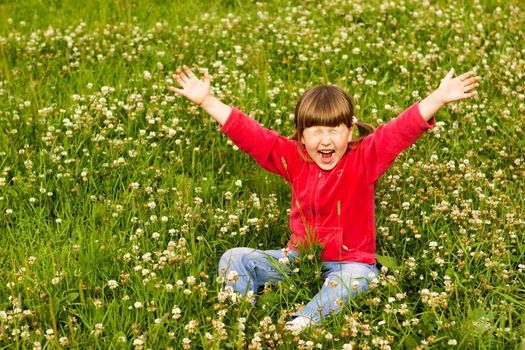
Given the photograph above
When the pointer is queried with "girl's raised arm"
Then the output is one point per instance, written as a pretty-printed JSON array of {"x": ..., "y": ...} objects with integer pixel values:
[
  {"x": 450, "y": 90},
  {"x": 199, "y": 92}
]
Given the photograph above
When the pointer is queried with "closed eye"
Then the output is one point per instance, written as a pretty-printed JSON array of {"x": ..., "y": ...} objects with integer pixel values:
[{"x": 315, "y": 132}]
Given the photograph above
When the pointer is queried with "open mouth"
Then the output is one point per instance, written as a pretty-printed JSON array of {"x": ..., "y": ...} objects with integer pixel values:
[{"x": 326, "y": 155}]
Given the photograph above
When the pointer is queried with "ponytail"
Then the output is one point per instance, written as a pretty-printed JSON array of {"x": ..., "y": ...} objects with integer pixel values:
[{"x": 364, "y": 129}]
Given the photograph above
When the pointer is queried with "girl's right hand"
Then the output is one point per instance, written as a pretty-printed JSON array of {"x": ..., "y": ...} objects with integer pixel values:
[{"x": 193, "y": 88}]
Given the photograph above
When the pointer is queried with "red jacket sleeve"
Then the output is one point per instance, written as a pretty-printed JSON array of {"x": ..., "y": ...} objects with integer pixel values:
[
  {"x": 271, "y": 151},
  {"x": 380, "y": 149}
]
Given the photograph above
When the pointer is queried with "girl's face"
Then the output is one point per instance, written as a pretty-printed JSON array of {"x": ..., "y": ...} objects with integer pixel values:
[{"x": 326, "y": 145}]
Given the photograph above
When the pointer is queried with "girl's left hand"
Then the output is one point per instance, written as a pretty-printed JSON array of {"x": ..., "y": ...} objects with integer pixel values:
[
  {"x": 193, "y": 88},
  {"x": 458, "y": 88}
]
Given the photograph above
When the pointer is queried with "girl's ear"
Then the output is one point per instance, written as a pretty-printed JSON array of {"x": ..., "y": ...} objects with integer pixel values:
[{"x": 302, "y": 139}]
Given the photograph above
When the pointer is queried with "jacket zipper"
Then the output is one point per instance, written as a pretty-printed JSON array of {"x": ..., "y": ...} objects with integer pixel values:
[{"x": 316, "y": 200}]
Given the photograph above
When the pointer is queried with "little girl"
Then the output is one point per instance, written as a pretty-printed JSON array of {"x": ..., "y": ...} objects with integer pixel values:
[{"x": 332, "y": 177}]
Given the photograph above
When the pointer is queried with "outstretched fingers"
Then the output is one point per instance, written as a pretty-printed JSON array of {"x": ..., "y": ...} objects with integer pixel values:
[
  {"x": 178, "y": 91},
  {"x": 206, "y": 76},
  {"x": 180, "y": 77},
  {"x": 470, "y": 83},
  {"x": 469, "y": 87},
  {"x": 470, "y": 94},
  {"x": 466, "y": 75},
  {"x": 189, "y": 73}
]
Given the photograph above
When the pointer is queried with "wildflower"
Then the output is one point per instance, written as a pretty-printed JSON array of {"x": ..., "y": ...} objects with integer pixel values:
[
  {"x": 99, "y": 329},
  {"x": 186, "y": 343},
  {"x": 192, "y": 326},
  {"x": 232, "y": 277},
  {"x": 112, "y": 284},
  {"x": 176, "y": 313},
  {"x": 139, "y": 342},
  {"x": 330, "y": 283},
  {"x": 50, "y": 334},
  {"x": 284, "y": 260}
]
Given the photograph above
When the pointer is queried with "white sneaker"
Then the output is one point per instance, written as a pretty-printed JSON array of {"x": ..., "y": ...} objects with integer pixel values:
[{"x": 298, "y": 324}]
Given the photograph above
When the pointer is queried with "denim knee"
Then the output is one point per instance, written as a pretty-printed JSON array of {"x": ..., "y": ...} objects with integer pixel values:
[{"x": 232, "y": 257}]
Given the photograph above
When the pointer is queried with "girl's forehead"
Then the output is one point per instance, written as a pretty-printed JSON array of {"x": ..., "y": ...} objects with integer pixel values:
[{"x": 321, "y": 127}]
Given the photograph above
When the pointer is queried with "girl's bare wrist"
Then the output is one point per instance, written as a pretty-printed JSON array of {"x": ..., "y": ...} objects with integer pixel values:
[
  {"x": 437, "y": 99},
  {"x": 206, "y": 101}
]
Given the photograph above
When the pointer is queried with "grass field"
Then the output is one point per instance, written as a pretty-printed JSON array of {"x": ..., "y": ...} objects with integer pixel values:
[{"x": 118, "y": 198}]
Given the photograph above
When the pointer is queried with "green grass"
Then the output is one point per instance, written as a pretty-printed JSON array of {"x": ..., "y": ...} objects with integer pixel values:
[{"x": 105, "y": 175}]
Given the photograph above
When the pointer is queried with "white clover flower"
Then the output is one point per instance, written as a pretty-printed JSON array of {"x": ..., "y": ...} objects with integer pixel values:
[
  {"x": 63, "y": 341},
  {"x": 176, "y": 313},
  {"x": 97, "y": 303},
  {"x": 186, "y": 343},
  {"x": 191, "y": 280},
  {"x": 138, "y": 342},
  {"x": 284, "y": 260},
  {"x": 50, "y": 334},
  {"x": 99, "y": 328},
  {"x": 112, "y": 284}
]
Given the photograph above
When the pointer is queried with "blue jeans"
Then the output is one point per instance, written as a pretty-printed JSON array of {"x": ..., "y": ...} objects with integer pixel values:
[{"x": 247, "y": 270}]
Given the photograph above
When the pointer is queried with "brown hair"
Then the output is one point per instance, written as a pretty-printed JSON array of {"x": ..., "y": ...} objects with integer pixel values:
[{"x": 327, "y": 105}]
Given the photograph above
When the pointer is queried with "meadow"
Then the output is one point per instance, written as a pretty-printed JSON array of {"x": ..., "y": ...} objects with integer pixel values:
[{"x": 117, "y": 198}]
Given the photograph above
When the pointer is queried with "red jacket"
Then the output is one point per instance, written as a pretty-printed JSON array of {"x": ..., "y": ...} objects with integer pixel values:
[{"x": 347, "y": 234}]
